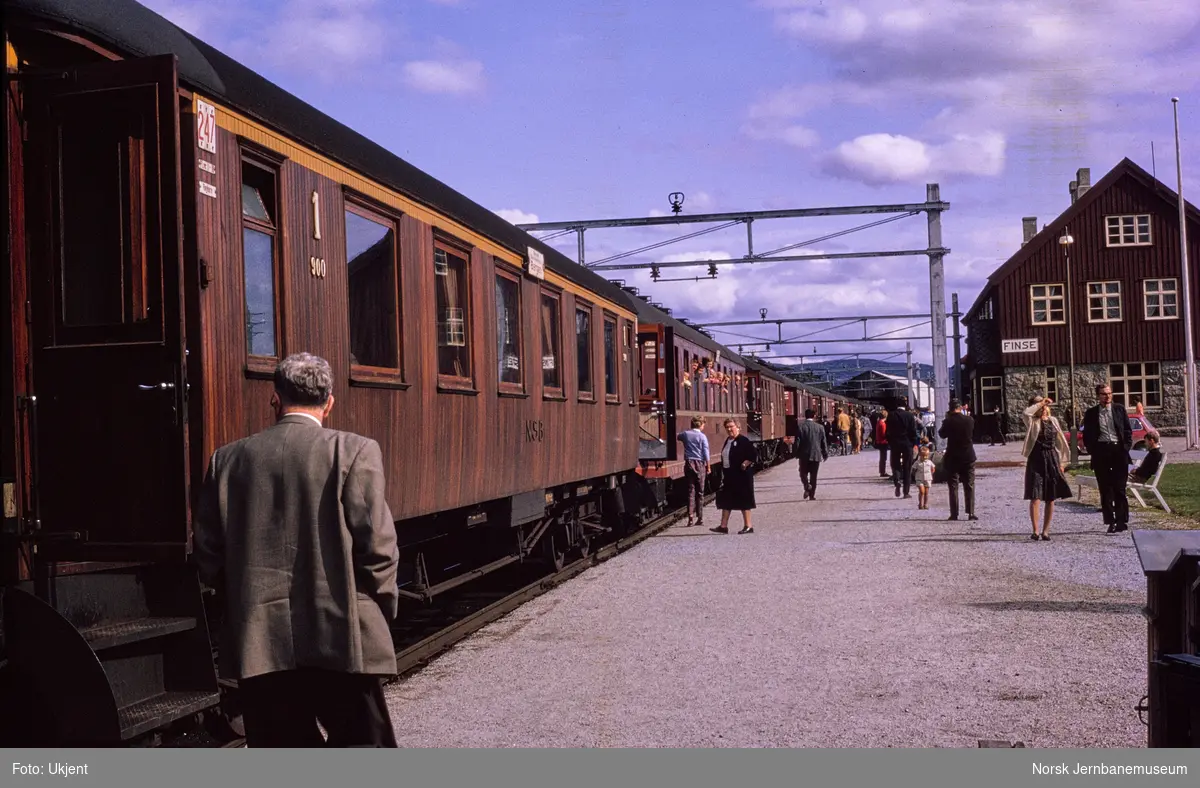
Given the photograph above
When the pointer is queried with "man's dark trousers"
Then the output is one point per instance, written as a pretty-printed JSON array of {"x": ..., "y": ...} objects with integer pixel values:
[
  {"x": 964, "y": 472},
  {"x": 902, "y": 464},
  {"x": 1111, "y": 475},
  {"x": 883, "y": 453},
  {"x": 808, "y": 475},
  {"x": 282, "y": 710}
]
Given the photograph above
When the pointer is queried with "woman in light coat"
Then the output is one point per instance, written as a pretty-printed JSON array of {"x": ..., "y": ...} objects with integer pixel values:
[{"x": 1045, "y": 450}]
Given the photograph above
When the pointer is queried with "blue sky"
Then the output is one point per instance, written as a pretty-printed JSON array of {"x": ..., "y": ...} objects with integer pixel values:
[{"x": 550, "y": 111}]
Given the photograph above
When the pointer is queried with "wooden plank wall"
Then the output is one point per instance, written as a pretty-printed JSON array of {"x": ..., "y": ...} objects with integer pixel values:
[
  {"x": 1134, "y": 339},
  {"x": 443, "y": 450}
]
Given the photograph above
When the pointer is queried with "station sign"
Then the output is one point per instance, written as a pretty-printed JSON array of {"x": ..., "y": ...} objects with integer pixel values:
[
  {"x": 1018, "y": 346},
  {"x": 537, "y": 263}
]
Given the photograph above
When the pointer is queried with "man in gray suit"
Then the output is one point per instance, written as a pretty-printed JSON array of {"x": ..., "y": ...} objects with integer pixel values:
[
  {"x": 293, "y": 531},
  {"x": 811, "y": 448}
]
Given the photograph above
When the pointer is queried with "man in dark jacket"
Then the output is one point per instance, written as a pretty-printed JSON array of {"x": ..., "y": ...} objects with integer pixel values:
[
  {"x": 811, "y": 448},
  {"x": 903, "y": 434},
  {"x": 1108, "y": 440},
  {"x": 293, "y": 530},
  {"x": 959, "y": 460}
]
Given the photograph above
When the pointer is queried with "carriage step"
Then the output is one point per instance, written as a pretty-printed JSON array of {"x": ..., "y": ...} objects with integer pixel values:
[
  {"x": 146, "y": 715},
  {"x": 120, "y": 633}
]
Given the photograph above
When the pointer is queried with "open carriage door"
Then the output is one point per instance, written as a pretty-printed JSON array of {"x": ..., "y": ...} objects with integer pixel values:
[{"x": 108, "y": 423}]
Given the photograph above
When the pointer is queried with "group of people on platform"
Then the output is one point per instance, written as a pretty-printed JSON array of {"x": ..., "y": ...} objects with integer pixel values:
[{"x": 906, "y": 438}]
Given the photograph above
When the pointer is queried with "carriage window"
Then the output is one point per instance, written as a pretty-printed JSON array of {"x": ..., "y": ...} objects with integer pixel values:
[
  {"x": 610, "y": 359},
  {"x": 453, "y": 312},
  {"x": 551, "y": 358},
  {"x": 102, "y": 214},
  {"x": 374, "y": 290},
  {"x": 508, "y": 330},
  {"x": 259, "y": 222},
  {"x": 583, "y": 350}
]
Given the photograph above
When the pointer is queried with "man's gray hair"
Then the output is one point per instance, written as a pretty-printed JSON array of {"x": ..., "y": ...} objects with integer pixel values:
[{"x": 304, "y": 379}]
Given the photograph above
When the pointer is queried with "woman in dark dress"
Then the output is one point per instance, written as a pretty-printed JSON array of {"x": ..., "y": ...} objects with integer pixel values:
[
  {"x": 1046, "y": 450},
  {"x": 738, "y": 455}
]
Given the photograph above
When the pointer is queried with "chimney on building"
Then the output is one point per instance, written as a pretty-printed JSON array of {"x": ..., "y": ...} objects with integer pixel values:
[
  {"x": 1082, "y": 182},
  {"x": 1029, "y": 226}
]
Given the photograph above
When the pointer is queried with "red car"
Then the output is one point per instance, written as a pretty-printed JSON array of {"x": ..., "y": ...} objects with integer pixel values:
[{"x": 1137, "y": 426}]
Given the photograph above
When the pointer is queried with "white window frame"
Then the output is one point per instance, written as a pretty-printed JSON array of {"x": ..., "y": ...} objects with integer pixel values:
[
  {"x": 1049, "y": 299},
  {"x": 1128, "y": 230},
  {"x": 1121, "y": 388},
  {"x": 1104, "y": 301},
  {"x": 1147, "y": 294},
  {"x": 1052, "y": 383}
]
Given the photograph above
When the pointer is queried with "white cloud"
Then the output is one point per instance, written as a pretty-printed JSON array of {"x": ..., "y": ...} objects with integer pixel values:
[
  {"x": 893, "y": 158},
  {"x": 315, "y": 35},
  {"x": 441, "y": 76},
  {"x": 1032, "y": 66},
  {"x": 517, "y": 216},
  {"x": 791, "y": 133}
]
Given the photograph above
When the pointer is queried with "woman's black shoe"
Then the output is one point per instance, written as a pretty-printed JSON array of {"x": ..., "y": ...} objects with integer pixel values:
[
  {"x": 746, "y": 531},
  {"x": 1034, "y": 537},
  {"x": 1045, "y": 538},
  {"x": 719, "y": 530}
]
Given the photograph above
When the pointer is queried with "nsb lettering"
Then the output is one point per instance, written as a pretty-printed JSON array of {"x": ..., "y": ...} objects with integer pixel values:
[{"x": 535, "y": 432}]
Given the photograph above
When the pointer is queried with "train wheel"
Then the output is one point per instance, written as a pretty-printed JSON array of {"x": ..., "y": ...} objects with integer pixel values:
[
  {"x": 554, "y": 551},
  {"x": 585, "y": 546}
]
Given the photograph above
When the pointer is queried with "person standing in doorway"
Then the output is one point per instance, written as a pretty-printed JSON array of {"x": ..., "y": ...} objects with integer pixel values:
[
  {"x": 293, "y": 531},
  {"x": 959, "y": 460},
  {"x": 903, "y": 435},
  {"x": 811, "y": 449},
  {"x": 1108, "y": 440},
  {"x": 695, "y": 468}
]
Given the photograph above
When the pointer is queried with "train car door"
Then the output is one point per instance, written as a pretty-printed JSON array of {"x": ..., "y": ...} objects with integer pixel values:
[
  {"x": 108, "y": 420},
  {"x": 652, "y": 398}
]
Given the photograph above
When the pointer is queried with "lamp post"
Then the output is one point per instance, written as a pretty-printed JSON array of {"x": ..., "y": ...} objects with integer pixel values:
[
  {"x": 1189, "y": 357},
  {"x": 1065, "y": 242}
]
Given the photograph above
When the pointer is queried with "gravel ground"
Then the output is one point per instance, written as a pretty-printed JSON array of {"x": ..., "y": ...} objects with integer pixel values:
[{"x": 856, "y": 620}]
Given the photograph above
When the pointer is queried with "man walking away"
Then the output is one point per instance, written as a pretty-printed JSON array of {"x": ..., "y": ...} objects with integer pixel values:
[
  {"x": 903, "y": 434},
  {"x": 811, "y": 448},
  {"x": 881, "y": 442},
  {"x": 293, "y": 531},
  {"x": 998, "y": 430},
  {"x": 695, "y": 468},
  {"x": 1108, "y": 439},
  {"x": 959, "y": 460},
  {"x": 843, "y": 428}
]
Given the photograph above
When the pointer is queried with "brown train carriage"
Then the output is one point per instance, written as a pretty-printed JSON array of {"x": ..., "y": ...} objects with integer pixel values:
[
  {"x": 769, "y": 403},
  {"x": 684, "y": 373},
  {"x": 177, "y": 225}
]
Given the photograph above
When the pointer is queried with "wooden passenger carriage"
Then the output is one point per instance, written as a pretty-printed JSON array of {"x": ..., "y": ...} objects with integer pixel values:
[{"x": 177, "y": 225}]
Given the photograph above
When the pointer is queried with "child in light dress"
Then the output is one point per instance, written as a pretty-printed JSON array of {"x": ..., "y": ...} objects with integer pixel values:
[{"x": 923, "y": 469}]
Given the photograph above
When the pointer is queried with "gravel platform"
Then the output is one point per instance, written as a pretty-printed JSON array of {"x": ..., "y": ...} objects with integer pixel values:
[{"x": 856, "y": 620}]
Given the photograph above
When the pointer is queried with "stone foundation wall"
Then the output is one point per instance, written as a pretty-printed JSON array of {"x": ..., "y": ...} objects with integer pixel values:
[{"x": 1021, "y": 383}]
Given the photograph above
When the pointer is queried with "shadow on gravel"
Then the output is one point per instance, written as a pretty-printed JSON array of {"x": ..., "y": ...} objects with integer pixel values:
[{"x": 1063, "y": 606}]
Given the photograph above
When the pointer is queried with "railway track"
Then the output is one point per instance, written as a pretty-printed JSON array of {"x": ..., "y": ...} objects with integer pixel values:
[{"x": 442, "y": 625}]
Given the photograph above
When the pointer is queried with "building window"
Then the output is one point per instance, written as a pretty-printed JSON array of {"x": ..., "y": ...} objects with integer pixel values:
[
  {"x": 1047, "y": 304},
  {"x": 551, "y": 356},
  {"x": 453, "y": 312},
  {"x": 610, "y": 359},
  {"x": 374, "y": 290},
  {"x": 508, "y": 331},
  {"x": 1133, "y": 230},
  {"x": 583, "y": 350},
  {"x": 260, "y": 221},
  {"x": 1104, "y": 302},
  {"x": 989, "y": 393},
  {"x": 1162, "y": 299},
  {"x": 1052, "y": 383},
  {"x": 1134, "y": 383}
]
